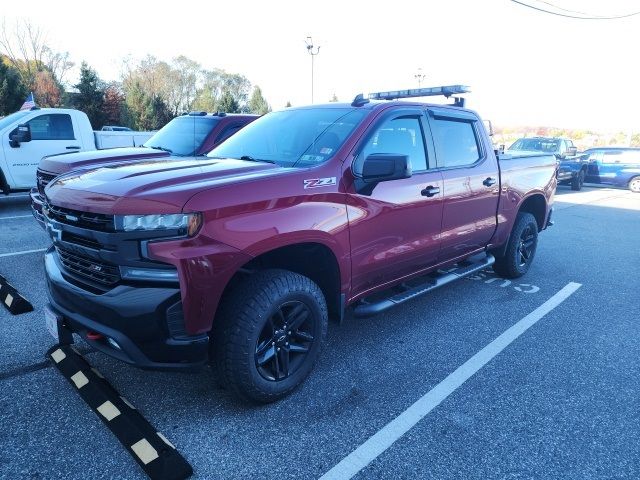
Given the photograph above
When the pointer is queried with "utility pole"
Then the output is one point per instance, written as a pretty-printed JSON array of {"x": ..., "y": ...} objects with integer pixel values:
[
  {"x": 310, "y": 47},
  {"x": 419, "y": 77}
]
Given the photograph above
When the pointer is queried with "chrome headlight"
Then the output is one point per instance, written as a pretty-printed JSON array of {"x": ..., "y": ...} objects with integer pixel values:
[{"x": 188, "y": 222}]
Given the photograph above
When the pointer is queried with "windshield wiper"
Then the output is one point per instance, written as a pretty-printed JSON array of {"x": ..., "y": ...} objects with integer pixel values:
[
  {"x": 156, "y": 147},
  {"x": 251, "y": 159}
]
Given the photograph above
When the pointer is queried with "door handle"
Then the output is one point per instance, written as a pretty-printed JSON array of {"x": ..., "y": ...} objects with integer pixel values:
[
  {"x": 73, "y": 147},
  {"x": 430, "y": 191},
  {"x": 488, "y": 182}
]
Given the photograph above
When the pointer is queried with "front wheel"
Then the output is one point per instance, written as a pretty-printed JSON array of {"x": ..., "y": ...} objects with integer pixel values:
[
  {"x": 521, "y": 248},
  {"x": 269, "y": 334},
  {"x": 634, "y": 184},
  {"x": 578, "y": 181}
]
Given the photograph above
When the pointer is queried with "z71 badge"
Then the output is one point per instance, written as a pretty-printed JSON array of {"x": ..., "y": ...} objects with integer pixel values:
[{"x": 319, "y": 182}]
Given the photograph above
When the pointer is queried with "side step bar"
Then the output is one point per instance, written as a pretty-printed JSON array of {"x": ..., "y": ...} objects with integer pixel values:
[{"x": 436, "y": 280}]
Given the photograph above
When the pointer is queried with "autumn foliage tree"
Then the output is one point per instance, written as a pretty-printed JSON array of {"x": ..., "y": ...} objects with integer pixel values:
[
  {"x": 113, "y": 104},
  {"x": 46, "y": 90},
  {"x": 41, "y": 69}
]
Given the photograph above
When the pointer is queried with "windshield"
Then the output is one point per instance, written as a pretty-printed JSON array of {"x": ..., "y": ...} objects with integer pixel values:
[
  {"x": 183, "y": 136},
  {"x": 293, "y": 138},
  {"x": 8, "y": 120},
  {"x": 536, "y": 145}
]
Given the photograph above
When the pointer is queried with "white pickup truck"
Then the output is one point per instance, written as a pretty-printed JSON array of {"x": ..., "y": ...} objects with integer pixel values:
[{"x": 28, "y": 135}]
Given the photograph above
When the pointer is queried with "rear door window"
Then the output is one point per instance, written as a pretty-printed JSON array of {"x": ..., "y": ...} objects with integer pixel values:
[
  {"x": 631, "y": 157},
  {"x": 612, "y": 156},
  {"x": 229, "y": 131},
  {"x": 455, "y": 141}
]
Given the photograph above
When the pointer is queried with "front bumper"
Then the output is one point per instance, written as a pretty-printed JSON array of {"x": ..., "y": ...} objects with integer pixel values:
[
  {"x": 36, "y": 207},
  {"x": 145, "y": 322}
]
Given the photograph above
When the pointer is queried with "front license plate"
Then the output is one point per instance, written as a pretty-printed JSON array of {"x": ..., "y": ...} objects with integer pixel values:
[{"x": 51, "y": 321}]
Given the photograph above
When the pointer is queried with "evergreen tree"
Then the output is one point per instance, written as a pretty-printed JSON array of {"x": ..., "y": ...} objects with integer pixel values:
[
  {"x": 143, "y": 111},
  {"x": 90, "y": 97},
  {"x": 228, "y": 103},
  {"x": 12, "y": 90},
  {"x": 257, "y": 103}
]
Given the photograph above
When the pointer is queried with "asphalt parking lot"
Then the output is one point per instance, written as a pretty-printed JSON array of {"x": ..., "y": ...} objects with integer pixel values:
[{"x": 559, "y": 401}]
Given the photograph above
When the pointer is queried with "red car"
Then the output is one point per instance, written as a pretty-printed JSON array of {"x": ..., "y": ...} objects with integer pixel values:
[{"x": 240, "y": 259}]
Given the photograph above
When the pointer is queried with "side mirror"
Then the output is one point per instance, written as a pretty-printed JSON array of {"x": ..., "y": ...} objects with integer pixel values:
[
  {"x": 21, "y": 134},
  {"x": 382, "y": 167},
  {"x": 571, "y": 151}
]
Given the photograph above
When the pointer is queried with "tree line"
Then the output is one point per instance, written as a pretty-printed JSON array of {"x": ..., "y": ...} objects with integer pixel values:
[{"x": 149, "y": 93}]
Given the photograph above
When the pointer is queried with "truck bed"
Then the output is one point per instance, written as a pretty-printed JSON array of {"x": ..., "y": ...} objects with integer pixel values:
[{"x": 108, "y": 139}]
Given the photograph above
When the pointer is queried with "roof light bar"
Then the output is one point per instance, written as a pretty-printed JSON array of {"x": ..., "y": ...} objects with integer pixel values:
[{"x": 445, "y": 91}]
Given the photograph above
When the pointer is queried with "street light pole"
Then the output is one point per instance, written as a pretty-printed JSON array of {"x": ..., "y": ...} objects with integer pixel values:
[
  {"x": 419, "y": 77},
  {"x": 309, "y": 42}
]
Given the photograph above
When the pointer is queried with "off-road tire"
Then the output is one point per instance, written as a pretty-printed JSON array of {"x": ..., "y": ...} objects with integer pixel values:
[
  {"x": 241, "y": 321},
  {"x": 578, "y": 181},
  {"x": 511, "y": 264}
]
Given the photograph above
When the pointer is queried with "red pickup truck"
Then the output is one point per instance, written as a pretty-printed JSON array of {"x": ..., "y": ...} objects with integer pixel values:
[
  {"x": 239, "y": 260},
  {"x": 192, "y": 134}
]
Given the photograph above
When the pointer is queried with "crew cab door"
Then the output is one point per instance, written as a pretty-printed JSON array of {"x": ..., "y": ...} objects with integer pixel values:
[
  {"x": 395, "y": 230},
  {"x": 50, "y": 133},
  {"x": 471, "y": 181}
]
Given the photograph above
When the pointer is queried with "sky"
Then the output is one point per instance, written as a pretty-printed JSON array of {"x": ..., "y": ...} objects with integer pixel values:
[{"x": 524, "y": 67}]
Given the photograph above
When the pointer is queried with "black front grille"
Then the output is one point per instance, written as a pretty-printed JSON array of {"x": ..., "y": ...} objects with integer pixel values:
[
  {"x": 88, "y": 220},
  {"x": 87, "y": 268},
  {"x": 43, "y": 179}
]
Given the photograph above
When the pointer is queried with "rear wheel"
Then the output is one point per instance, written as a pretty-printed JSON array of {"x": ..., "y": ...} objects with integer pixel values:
[
  {"x": 578, "y": 181},
  {"x": 269, "y": 334},
  {"x": 634, "y": 184},
  {"x": 521, "y": 248}
]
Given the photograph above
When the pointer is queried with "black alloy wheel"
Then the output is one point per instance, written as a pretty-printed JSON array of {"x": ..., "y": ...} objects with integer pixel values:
[
  {"x": 515, "y": 258},
  {"x": 268, "y": 334},
  {"x": 527, "y": 244},
  {"x": 285, "y": 341}
]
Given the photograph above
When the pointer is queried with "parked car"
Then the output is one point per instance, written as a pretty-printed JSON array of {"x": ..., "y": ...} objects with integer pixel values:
[
  {"x": 115, "y": 128},
  {"x": 190, "y": 135},
  {"x": 619, "y": 166},
  {"x": 29, "y": 135},
  {"x": 571, "y": 167},
  {"x": 240, "y": 259}
]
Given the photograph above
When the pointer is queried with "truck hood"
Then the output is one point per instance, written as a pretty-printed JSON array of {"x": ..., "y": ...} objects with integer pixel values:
[
  {"x": 148, "y": 187},
  {"x": 65, "y": 162}
]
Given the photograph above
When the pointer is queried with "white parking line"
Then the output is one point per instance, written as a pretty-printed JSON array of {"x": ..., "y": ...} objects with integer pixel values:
[
  {"x": 16, "y": 216},
  {"x": 392, "y": 431},
  {"x": 24, "y": 252}
]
